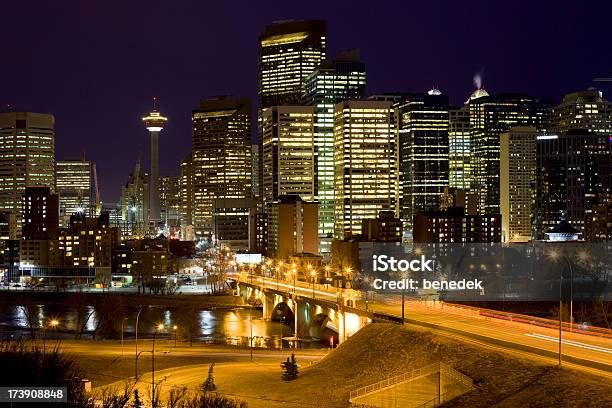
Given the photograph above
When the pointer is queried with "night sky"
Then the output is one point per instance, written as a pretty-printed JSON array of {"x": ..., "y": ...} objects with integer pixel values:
[{"x": 97, "y": 64}]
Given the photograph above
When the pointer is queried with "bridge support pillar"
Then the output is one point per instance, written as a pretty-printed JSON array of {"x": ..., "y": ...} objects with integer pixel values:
[{"x": 268, "y": 306}]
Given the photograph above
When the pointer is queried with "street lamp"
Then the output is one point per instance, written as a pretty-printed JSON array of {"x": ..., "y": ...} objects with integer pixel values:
[
  {"x": 313, "y": 273},
  {"x": 52, "y": 324},
  {"x": 136, "y": 343},
  {"x": 277, "y": 277},
  {"x": 175, "y": 328},
  {"x": 348, "y": 272},
  {"x": 554, "y": 255}
]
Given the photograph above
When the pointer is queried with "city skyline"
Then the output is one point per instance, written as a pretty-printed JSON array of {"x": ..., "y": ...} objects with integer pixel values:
[{"x": 108, "y": 83}]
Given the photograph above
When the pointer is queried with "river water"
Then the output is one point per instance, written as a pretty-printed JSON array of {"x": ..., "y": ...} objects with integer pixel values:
[{"x": 231, "y": 326}]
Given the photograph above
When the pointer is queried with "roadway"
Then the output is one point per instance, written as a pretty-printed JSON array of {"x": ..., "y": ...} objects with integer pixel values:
[{"x": 468, "y": 322}]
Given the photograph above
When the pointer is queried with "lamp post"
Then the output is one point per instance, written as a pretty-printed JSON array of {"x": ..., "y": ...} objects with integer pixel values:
[
  {"x": 281, "y": 332},
  {"x": 136, "y": 343},
  {"x": 313, "y": 273},
  {"x": 175, "y": 328},
  {"x": 583, "y": 256},
  {"x": 340, "y": 301},
  {"x": 157, "y": 329},
  {"x": 251, "y": 336},
  {"x": 555, "y": 255}
]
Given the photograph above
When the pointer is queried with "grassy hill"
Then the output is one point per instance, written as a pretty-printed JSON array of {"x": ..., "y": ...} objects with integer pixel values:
[{"x": 502, "y": 379}]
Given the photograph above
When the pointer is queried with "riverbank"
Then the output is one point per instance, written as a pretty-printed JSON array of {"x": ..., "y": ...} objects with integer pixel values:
[{"x": 126, "y": 299}]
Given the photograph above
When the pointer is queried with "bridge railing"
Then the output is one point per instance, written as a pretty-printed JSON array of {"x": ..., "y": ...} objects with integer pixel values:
[
  {"x": 411, "y": 375},
  {"x": 419, "y": 372},
  {"x": 457, "y": 376}
]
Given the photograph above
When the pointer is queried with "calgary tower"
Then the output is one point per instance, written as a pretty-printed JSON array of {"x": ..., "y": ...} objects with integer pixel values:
[{"x": 154, "y": 122}]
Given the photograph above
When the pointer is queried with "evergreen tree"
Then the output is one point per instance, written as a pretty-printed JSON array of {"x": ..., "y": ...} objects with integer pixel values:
[
  {"x": 209, "y": 384},
  {"x": 136, "y": 403},
  {"x": 290, "y": 369}
]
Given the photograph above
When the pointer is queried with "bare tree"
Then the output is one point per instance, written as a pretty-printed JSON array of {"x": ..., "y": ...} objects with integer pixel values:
[{"x": 30, "y": 312}]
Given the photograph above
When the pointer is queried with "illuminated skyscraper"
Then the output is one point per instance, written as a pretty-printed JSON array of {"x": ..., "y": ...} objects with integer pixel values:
[
  {"x": 288, "y": 52},
  {"x": 186, "y": 192},
  {"x": 365, "y": 164},
  {"x": 518, "y": 184},
  {"x": 73, "y": 184},
  {"x": 582, "y": 110},
  {"x": 574, "y": 173},
  {"x": 423, "y": 152},
  {"x": 340, "y": 79},
  {"x": 154, "y": 123},
  {"x": 490, "y": 116},
  {"x": 27, "y": 158},
  {"x": 221, "y": 157},
  {"x": 170, "y": 203},
  {"x": 256, "y": 170},
  {"x": 288, "y": 153},
  {"x": 134, "y": 204},
  {"x": 459, "y": 148}
]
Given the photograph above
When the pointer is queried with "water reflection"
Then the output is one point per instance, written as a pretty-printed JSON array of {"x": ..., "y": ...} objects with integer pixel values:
[
  {"x": 207, "y": 323},
  {"x": 223, "y": 326}
]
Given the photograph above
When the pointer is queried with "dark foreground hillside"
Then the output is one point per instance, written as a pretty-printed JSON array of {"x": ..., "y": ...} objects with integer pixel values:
[{"x": 502, "y": 379}]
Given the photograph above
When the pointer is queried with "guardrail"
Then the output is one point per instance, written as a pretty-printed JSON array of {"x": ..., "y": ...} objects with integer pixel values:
[
  {"x": 456, "y": 375},
  {"x": 386, "y": 317},
  {"x": 412, "y": 375},
  {"x": 527, "y": 319}
]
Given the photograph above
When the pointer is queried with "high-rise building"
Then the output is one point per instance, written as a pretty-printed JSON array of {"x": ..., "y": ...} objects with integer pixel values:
[
  {"x": 154, "y": 122},
  {"x": 340, "y": 79},
  {"x": 134, "y": 203},
  {"x": 599, "y": 224},
  {"x": 517, "y": 189},
  {"x": 586, "y": 110},
  {"x": 73, "y": 184},
  {"x": 288, "y": 152},
  {"x": 454, "y": 226},
  {"x": 256, "y": 171},
  {"x": 170, "y": 204},
  {"x": 8, "y": 224},
  {"x": 85, "y": 242},
  {"x": 292, "y": 227},
  {"x": 288, "y": 52},
  {"x": 385, "y": 228},
  {"x": 459, "y": 148},
  {"x": 574, "y": 173},
  {"x": 490, "y": 116},
  {"x": 186, "y": 192},
  {"x": 232, "y": 220},
  {"x": 423, "y": 152},
  {"x": 40, "y": 213},
  {"x": 27, "y": 158},
  {"x": 221, "y": 156},
  {"x": 365, "y": 164}
]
